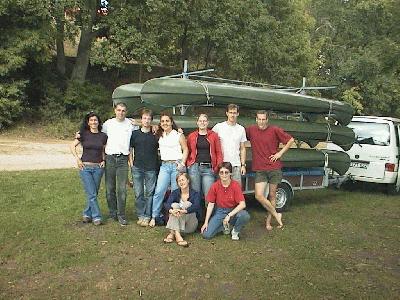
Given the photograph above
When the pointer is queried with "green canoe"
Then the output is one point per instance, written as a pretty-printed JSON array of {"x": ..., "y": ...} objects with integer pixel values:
[
  {"x": 309, "y": 158},
  {"x": 130, "y": 95},
  {"x": 168, "y": 92},
  {"x": 310, "y": 133}
]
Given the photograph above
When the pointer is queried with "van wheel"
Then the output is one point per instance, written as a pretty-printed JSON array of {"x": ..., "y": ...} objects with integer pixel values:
[
  {"x": 391, "y": 189},
  {"x": 284, "y": 196}
]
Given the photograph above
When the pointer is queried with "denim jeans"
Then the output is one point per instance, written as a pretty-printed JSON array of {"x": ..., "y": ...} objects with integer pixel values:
[
  {"x": 215, "y": 223},
  {"x": 166, "y": 178},
  {"x": 91, "y": 178},
  {"x": 144, "y": 183},
  {"x": 237, "y": 175},
  {"x": 116, "y": 179},
  {"x": 201, "y": 178}
]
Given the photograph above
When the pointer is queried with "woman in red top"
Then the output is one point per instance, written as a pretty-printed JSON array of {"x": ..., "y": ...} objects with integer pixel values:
[
  {"x": 205, "y": 155},
  {"x": 226, "y": 194}
]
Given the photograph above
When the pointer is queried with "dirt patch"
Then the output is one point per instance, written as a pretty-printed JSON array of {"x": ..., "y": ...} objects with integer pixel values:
[{"x": 21, "y": 154}]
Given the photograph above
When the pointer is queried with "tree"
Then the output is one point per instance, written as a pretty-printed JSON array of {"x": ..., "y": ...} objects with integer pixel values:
[{"x": 24, "y": 41}]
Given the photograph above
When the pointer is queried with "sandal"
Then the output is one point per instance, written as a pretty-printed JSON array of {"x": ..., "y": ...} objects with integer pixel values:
[
  {"x": 169, "y": 239},
  {"x": 183, "y": 243}
]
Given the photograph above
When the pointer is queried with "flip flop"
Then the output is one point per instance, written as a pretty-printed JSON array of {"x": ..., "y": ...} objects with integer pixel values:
[
  {"x": 169, "y": 239},
  {"x": 183, "y": 243}
]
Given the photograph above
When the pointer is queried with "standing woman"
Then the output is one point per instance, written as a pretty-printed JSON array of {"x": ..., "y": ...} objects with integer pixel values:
[
  {"x": 174, "y": 152},
  {"x": 91, "y": 164},
  {"x": 183, "y": 206},
  {"x": 226, "y": 206},
  {"x": 205, "y": 154}
]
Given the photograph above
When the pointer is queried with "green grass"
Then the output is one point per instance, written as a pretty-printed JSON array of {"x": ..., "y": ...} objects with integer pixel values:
[{"x": 335, "y": 244}]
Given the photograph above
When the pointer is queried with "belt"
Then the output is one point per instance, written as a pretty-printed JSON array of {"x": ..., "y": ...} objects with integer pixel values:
[
  {"x": 205, "y": 164},
  {"x": 117, "y": 154},
  {"x": 169, "y": 161}
]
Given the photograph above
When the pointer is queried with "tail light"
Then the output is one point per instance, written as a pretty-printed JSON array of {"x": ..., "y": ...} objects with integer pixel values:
[{"x": 389, "y": 167}]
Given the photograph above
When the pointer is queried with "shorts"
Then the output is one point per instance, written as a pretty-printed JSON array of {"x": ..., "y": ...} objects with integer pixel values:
[{"x": 273, "y": 176}]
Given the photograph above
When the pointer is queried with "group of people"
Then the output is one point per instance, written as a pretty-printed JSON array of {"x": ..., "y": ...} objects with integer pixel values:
[{"x": 204, "y": 170}]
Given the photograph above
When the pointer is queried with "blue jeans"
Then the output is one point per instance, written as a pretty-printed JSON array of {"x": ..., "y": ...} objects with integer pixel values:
[
  {"x": 166, "y": 178},
  {"x": 201, "y": 178},
  {"x": 215, "y": 223},
  {"x": 144, "y": 183},
  {"x": 116, "y": 179},
  {"x": 91, "y": 178}
]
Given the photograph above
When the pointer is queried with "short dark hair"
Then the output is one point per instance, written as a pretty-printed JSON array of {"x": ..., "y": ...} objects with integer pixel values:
[
  {"x": 85, "y": 122},
  {"x": 121, "y": 104},
  {"x": 262, "y": 112},
  {"x": 146, "y": 111},
  {"x": 204, "y": 115},
  {"x": 232, "y": 106},
  {"x": 226, "y": 165}
]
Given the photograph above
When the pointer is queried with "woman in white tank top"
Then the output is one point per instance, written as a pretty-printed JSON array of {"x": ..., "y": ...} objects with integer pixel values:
[{"x": 174, "y": 152}]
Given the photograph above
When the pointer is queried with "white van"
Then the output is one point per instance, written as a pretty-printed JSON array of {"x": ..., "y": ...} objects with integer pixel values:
[{"x": 375, "y": 154}]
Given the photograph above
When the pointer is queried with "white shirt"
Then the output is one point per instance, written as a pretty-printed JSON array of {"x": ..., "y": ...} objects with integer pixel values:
[
  {"x": 231, "y": 137},
  {"x": 119, "y": 136},
  {"x": 170, "y": 148}
]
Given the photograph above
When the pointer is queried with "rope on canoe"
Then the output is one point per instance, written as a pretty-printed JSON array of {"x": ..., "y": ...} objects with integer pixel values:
[
  {"x": 326, "y": 158},
  {"x": 328, "y": 137},
  {"x": 205, "y": 87}
]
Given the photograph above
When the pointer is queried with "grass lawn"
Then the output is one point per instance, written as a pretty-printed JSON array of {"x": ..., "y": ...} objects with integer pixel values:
[{"x": 335, "y": 244}]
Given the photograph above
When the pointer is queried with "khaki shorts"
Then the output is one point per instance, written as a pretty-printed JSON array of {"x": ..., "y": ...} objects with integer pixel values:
[{"x": 273, "y": 177}]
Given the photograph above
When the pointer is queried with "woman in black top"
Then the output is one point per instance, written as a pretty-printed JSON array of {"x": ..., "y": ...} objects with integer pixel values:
[{"x": 91, "y": 164}]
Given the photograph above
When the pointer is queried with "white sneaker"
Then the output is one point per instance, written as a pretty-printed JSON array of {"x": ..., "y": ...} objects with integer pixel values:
[
  {"x": 227, "y": 228},
  {"x": 235, "y": 235}
]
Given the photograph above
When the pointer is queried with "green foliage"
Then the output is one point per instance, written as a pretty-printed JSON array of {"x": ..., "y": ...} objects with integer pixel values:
[
  {"x": 82, "y": 98},
  {"x": 10, "y": 102},
  {"x": 353, "y": 97}
]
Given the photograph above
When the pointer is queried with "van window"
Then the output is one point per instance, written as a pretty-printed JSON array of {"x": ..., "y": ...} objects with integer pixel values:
[{"x": 371, "y": 133}]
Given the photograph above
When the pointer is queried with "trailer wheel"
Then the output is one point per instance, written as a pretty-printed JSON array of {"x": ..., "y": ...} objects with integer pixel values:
[{"x": 284, "y": 196}]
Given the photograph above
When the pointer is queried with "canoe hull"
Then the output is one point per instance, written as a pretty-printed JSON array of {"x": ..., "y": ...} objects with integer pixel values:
[
  {"x": 310, "y": 133},
  {"x": 310, "y": 158},
  {"x": 173, "y": 92}
]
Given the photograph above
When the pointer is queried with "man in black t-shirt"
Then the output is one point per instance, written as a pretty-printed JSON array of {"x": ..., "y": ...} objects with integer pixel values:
[{"x": 145, "y": 167}]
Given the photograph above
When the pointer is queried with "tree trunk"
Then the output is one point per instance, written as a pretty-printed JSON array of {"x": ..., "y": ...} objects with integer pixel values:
[
  {"x": 59, "y": 18},
  {"x": 85, "y": 42},
  {"x": 60, "y": 47}
]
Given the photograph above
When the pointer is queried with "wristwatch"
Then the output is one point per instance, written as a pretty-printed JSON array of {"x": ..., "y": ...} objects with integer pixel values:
[{"x": 243, "y": 165}]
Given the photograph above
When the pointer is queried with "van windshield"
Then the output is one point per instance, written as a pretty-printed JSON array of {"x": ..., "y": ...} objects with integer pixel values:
[{"x": 371, "y": 133}]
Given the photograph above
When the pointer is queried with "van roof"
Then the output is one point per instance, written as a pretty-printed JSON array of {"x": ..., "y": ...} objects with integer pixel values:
[{"x": 370, "y": 118}]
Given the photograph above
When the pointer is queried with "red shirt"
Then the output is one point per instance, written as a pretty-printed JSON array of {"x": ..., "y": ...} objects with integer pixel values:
[
  {"x": 265, "y": 143},
  {"x": 225, "y": 197}
]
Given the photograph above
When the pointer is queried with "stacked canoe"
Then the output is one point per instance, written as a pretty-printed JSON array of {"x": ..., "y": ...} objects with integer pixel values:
[{"x": 165, "y": 93}]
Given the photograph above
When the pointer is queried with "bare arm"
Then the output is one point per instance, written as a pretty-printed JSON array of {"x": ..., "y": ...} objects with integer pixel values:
[
  {"x": 185, "y": 149},
  {"x": 242, "y": 158},
  {"x": 239, "y": 207},
  {"x": 72, "y": 147},
  {"x": 210, "y": 208},
  {"x": 279, "y": 154}
]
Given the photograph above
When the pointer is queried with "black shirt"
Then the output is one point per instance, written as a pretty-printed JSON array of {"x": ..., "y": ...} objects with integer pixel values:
[
  {"x": 92, "y": 144},
  {"x": 203, "y": 149},
  {"x": 146, "y": 150}
]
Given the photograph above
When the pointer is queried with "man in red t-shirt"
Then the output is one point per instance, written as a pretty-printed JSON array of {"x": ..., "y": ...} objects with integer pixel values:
[
  {"x": 225, "y": 195},
  {"x": 265, "y": 140}
]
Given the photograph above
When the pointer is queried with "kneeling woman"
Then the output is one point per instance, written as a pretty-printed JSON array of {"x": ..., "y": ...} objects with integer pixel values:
[
  {"x": 183, "y": 206},
  {"x": 228, "y": 198}
]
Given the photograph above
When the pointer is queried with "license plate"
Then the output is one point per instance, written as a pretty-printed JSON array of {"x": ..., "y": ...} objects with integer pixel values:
[{"x": 359, "y": 165}]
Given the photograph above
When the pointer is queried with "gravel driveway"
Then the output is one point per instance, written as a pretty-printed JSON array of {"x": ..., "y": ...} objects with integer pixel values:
[{"x": 16, "y": 154}]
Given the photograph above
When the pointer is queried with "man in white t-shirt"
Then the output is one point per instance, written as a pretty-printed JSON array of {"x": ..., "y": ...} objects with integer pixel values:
[
  {"x": 118, "y": 160},
  {"x": 233, "y": 138}
]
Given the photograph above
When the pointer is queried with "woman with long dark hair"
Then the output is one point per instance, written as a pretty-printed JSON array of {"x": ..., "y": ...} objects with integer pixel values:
[
  {"x": 91, "y": 164},
  {"x": 174, "y": 152}
]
